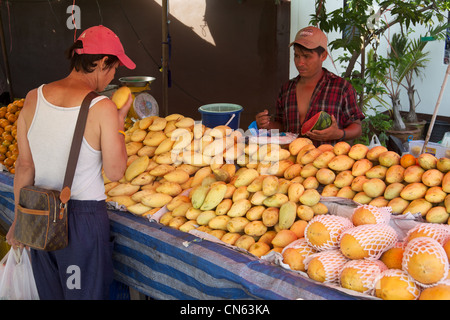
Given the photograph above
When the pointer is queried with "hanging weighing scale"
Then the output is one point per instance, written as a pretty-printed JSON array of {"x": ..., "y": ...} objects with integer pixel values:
[{"x": 144, "y": 104}]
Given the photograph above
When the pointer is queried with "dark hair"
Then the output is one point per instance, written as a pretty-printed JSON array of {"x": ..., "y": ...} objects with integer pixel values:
[
  {"x": 87, "y": 62},
  {"x": 318, "y": 50}
]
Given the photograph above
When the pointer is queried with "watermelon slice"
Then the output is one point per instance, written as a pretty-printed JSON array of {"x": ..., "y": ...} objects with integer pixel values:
[{"x": 319, "y": 121}]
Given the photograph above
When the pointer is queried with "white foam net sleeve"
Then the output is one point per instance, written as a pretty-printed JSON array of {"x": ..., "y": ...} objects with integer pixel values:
[
  {"x": 332, "y": 261},
  {"x": 300, "y": 244},
  {"x": 381, "y": 214},
  {"x": 335, "y": 226},
  {"x": 302, "y": 247},
  {"x": 374, "y": 238},
  {"x": 426, "y": 245},
  {"x": 367, "y": 271},
  {"x": 412, "y": 287},
  {"x": 437, "y": 231}
]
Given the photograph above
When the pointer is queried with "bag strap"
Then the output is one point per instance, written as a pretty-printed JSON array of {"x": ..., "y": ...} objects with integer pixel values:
[{"x": 76, "y": 145}]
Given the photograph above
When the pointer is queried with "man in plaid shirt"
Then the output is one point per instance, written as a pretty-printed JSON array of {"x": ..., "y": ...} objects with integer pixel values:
[{"x": 315, "y": 89}]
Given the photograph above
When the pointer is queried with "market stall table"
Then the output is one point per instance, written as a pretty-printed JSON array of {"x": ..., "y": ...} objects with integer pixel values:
[{"x": 165, "y": 263}]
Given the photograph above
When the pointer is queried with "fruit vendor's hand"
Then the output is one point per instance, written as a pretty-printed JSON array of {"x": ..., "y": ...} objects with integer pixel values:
[
  {"x": 331, "y": 133},
  {"x": 263, "y": 120}
]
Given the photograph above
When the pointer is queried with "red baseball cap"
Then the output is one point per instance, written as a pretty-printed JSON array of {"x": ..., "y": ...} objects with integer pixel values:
[
  {"x": 311, "y": 38},
  {"x": 101, "y": 40}
]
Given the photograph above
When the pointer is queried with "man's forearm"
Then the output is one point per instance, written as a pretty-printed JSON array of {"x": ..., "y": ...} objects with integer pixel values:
[{"x": 352, "y": 131}]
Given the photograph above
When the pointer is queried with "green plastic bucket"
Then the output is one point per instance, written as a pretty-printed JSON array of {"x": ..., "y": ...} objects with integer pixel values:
[{"x": 217, "y": 114}]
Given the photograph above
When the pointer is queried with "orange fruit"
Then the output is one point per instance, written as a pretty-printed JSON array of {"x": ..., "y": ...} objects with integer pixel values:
[
  {"x": 316, "y": 270},
  {"x": 425, "y": 260},
  {"x": 367, "y": 214},
  {"x": 20, "y": 102},
  {"x": 363, "y": 215},
  {"x": 8, "y": 128},
  {"x": 351, "y": 248},
  {"x": 407, "y": 160},
  {"x": 325, "y": 266},
  {"x": 395, "y": 284},
  {"x": 367, "y": 241},
  {"x": 351, "y": 279},
  {"x": 4, "y": 122},
  {"x": 432, "y": 230},
  {"x": 12, "y": 108},
  {"x": 323, "y": 231},
  {"x": 9, "y": 162},
  {"x": 11, "y": 118},
  {"x": 317, "y": 234},
  {"x": 294, "y": 256},
  {"x": 7, "y": 136},
  {"x": 447, "y": 248},
  {"x": 298, "y": 227},
  {"x": 438, "y": 292},
  {"x": 392, "y": 257},
  {"x": 358, "y": 275}
]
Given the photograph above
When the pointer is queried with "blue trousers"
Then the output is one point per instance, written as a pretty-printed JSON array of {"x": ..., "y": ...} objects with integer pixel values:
[{"x": 83, "y": 270}]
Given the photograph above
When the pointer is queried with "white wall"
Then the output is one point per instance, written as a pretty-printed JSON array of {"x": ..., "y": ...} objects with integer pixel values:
[{"x": 428, "y": 88}]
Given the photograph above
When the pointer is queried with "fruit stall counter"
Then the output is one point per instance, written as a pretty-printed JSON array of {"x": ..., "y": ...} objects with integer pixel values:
[{"x": 164, "y": 263}]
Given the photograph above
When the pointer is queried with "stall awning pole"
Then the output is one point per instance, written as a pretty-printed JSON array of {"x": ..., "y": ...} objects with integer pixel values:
[
  {"x": 165, "y": 56},
  {"x": 433, "y": 118}
]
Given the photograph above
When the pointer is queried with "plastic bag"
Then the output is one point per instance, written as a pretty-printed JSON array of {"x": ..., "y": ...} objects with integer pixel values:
[
  {"x": 16, "y": 277},
  {"x": 374, "y": 142}
]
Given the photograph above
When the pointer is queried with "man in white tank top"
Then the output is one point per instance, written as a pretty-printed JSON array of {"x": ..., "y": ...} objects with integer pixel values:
[{"x": 49, "y": 115}]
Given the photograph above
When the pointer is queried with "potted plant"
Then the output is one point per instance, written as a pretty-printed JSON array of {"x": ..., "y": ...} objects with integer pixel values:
[
  {"x": 405, "y": 61},
  {"x": 414, "y": 64},
  {"x": 376, "y": 123}
]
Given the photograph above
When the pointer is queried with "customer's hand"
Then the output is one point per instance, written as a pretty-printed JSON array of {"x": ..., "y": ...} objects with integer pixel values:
[
  {"x": 123, "y": 112},
  {"x": 10, "y": 238}
]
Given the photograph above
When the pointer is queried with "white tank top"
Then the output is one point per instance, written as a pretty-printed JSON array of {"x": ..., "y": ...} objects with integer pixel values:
[{"x": 50, "y": 137}]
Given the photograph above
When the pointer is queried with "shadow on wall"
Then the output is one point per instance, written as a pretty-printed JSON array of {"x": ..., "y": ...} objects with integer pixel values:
[{"x": 246, "y": 64}]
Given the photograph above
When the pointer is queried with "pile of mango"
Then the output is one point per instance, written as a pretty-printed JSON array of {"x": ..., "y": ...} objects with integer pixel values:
[
  {"x": 8, "y": 132},
  {"x": 261, "y": 197}
]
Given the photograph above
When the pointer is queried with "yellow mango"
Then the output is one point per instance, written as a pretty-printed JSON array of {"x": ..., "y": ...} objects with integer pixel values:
[
  {"x": 121, "y": 96},
  {"x": 123, "y": 189},
  {"x": 156, "y": 200},
  {"x": 287, "y": 215},
  {"x": 136, "y": 167},
  {"x": 214, "y": 196},
  {"x": 239, "y": 208}
]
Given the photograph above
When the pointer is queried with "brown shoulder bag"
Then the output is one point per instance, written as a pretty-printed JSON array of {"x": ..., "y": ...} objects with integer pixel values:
[{"x": 41, "y": 221}]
